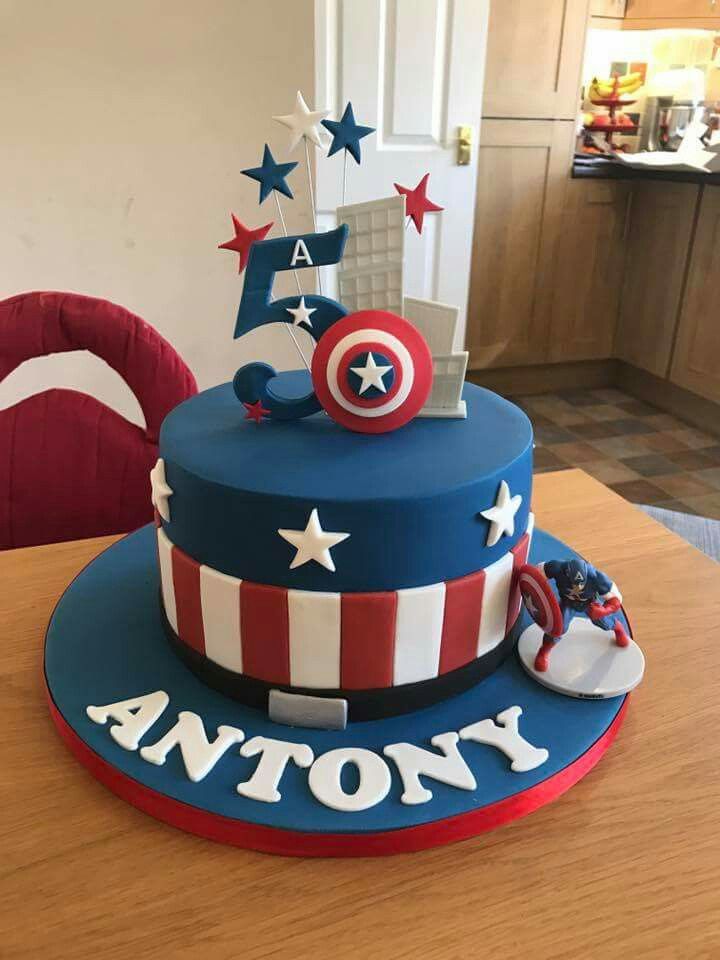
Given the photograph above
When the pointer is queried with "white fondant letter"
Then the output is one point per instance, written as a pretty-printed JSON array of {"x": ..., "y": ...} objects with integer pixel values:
[
  {"x": 301, "y": 252},
  {"x": 524, "y": 755},
  {"x": 134, "y": 717},
  {"x": 274, "y": 756},
  {"x": 414, "y": 762},
  {"x": 324, "y": 779},
  {"x": 199, "y": 755}
]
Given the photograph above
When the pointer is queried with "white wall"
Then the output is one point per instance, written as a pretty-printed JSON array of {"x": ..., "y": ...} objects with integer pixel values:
[{"x": 124, "y": 128}]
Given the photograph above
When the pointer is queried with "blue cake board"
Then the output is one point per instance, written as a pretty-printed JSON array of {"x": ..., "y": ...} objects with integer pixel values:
[{"x": 105, "y": 643}]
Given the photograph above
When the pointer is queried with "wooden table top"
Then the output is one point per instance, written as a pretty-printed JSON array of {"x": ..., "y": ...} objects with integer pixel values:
[{"x": 627, "y": 864}]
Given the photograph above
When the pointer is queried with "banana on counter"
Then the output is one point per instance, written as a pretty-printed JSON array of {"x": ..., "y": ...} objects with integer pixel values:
[{"x": 615, "y": 87}]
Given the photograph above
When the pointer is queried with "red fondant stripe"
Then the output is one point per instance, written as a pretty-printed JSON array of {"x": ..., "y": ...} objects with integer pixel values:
[
  {"x": 520, "y": 555},
  {"x": 158, "y": 519},
  {"x": 186, "y": 581},
  {"x": 367, "y": 640},
  {"x": 264, "y": 631},
  {"x": 461, "y": 626}
]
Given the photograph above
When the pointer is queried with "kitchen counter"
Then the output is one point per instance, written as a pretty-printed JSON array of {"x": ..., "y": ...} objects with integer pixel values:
[{"x": 588, "y": 166}]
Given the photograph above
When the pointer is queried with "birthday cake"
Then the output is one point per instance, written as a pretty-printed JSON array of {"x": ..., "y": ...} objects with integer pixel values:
[
  {"x": 343, "y": 563},
  {"x": 304, "y": 558}
]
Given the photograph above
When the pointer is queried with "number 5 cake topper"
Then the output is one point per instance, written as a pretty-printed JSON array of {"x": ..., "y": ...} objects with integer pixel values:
[{"x": 371, "y": 371}]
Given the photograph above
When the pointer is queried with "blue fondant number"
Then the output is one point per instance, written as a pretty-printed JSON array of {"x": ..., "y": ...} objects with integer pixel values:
[{"x": 253, "y": 382}]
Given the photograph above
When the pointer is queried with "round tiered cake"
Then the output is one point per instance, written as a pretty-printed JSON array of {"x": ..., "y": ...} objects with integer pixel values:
[
  {"x": 302, "y": 558},
  {"x": 347, "y": 542}
]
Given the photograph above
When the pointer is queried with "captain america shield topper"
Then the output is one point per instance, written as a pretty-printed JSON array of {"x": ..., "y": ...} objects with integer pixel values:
[{"x": 372, "y": 371}]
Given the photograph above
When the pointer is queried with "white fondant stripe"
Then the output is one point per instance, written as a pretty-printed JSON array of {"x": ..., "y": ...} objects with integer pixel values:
[
  {"x": 418, "y": 633},
  {"x": 314, "y": 632},
  {"x": 220, "y": 599},
  {"x": 496, "y": 596},
  {"x": 165, "y": 549},
  {"x": 518, "y": 601},
  {"x": 530, "y": 529}
]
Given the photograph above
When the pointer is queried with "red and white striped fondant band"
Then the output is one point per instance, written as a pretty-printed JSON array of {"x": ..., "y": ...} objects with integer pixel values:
[{"x": 331, "y": 641}]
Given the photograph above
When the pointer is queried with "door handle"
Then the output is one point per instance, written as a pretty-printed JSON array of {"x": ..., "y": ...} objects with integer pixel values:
[{"x": 464, "y": 146}]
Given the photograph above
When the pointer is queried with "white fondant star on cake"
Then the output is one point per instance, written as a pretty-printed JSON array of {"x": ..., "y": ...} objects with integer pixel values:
[
  {"x": 303, "y": 122},
  {"x": 502, "y": 515},
  {"x": 301, "y": 313},
  {"x": 371, "y": 374},
  {"x": 313, "y": 543},
  {"x": 161, "y": 491}
]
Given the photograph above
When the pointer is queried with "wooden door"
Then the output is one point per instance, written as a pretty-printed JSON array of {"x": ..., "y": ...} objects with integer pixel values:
[
  {"x": 696, "y": 361},
  {"x": 522, "y": 174},
  {"x": 607, "y": 8},
  {"x": 656, "y": 251},
  {"x": 414, "y": 70},
  {"x": 676, "y": 9},
  {"x": 589, "y": 270},
  {"x": 534, "y": 57}
]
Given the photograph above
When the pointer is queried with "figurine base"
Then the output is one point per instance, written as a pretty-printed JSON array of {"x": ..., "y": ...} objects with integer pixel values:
[{"x": 586, "y": 663}]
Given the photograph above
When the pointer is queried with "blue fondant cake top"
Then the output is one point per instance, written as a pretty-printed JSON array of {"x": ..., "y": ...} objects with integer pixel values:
[
  {"x": 208, "y": 435},
  {"x": 411, "y": 501}
]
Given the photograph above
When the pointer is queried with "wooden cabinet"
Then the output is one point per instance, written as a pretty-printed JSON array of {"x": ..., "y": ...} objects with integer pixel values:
[
  {"x": 659, "y": 235},
  {"x": 696, "y": 360},
  {"x": 607, "y": 8},
  {"x": 534, "y": 57},
  {"x": 523, "y": 170},
  {"x": 589, "y": 269},
  {"x": 675, "y": 9}
]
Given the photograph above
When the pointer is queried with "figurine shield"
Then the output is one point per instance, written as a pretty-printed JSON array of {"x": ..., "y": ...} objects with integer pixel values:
[
  {"x": 372, "y": 371},
  {"x": 540, "y": 600}
]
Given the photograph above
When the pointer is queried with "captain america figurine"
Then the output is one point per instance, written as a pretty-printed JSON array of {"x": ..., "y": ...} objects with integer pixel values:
[{"x": 583, "y": 591}]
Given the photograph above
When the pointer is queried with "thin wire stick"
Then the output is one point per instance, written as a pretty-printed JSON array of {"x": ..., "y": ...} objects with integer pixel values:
[
  {"x": 298, "y": 347},
  {"x": 344, "y": 188},
  {"x": 407, "y": 222},
  {"x": 312, "y": 204},
  {"x": 294, "y": 340},
  {"x": 287, "y": 326}
]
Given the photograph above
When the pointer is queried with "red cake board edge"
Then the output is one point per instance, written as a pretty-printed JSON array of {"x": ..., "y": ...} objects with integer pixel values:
[{"x": 266, "y": 839}]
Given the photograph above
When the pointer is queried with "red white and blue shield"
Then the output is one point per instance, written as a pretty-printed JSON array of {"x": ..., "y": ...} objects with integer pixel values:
[
  {"x": 540, "y": 600},
  {"x": 372, "y": 371}
]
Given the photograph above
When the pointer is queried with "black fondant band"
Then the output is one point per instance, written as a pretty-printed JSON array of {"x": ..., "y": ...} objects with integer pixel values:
[{"x": 362, "y": 704}]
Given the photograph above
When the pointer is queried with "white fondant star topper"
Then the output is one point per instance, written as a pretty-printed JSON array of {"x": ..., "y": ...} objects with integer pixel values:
[
  {"x": 301, "y": 313},
  {"x": 160, "y": 490},
  {"x": 303, "y": 123},
  {"x": 502, "y": 515},
  {"x": 313, "y": 543},
  {"x": 372, "y": 375}
]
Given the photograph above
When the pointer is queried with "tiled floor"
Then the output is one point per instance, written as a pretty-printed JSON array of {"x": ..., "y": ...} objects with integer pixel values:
[{"x": 644, "y": 455}]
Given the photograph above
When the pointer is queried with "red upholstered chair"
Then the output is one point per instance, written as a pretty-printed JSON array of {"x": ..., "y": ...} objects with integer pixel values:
[{"x": 71, "y": 467}]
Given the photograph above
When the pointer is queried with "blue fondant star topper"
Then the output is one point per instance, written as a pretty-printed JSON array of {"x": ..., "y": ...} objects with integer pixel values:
[
  {"x": 271, "y": 175},
  {"x": 347, "y": 134}
]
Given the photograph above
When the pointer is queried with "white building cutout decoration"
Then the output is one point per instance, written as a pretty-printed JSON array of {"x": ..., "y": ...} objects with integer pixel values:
[
  {"x": 370, "y": 277},
  {"x": 438, "y": 324},
  {"x": 370, "y": 274}
]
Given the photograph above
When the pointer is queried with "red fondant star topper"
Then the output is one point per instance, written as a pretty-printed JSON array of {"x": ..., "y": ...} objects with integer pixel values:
[
  {"x": 255, "y": 411},
  {"x": 244, "y": 238},
  {"x": 417, "y": 203}
]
